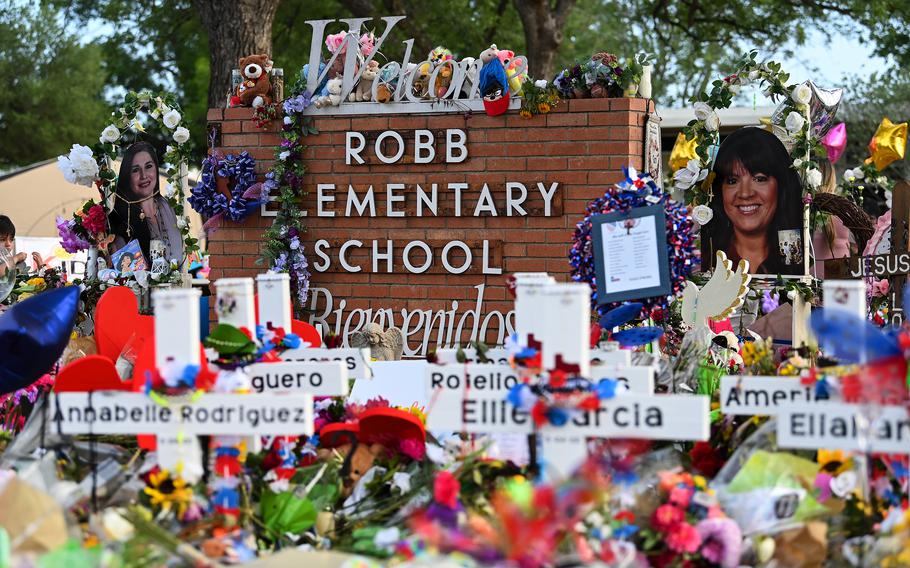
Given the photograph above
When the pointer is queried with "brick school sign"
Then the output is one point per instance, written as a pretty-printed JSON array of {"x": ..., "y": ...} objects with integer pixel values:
[{"x": 415, "y": 220}]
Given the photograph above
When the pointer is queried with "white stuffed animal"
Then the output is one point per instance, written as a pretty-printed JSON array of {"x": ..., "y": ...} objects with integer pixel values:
[{"x": 334, "y": 87}]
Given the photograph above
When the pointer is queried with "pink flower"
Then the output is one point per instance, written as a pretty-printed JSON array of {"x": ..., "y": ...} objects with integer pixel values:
[
  {"x": 723, "y": 541},
  {"x": 446, "y": 488},
  {"x": 367, "y": 44},
  {"x": 414, "y": 449},
  {"x": 666, "y": 517},
  {"x": 94, "y": 220},
  {"x": 680, "y": 496},
  {"x": 335, "y": 41},
  {"x": 683, "y": 538},
  {"x": 880, "y": 288}
]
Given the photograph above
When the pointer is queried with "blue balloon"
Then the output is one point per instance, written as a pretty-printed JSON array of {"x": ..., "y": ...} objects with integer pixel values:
[
  {"x": 635, "y": 336},
  {"x": 33, "y": 335},
  {"x": 620, "y": 315}
]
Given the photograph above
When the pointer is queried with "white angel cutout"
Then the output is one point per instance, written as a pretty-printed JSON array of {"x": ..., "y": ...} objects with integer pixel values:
[{"x": 719, "y": 297}]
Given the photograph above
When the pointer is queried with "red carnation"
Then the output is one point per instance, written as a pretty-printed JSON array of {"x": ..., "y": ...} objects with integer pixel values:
[
  {"x": 705, "y": 459},
  {"x": 445, "y": 489}
]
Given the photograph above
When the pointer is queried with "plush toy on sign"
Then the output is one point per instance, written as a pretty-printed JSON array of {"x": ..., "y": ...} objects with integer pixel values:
[
  {"x": 255, "y": 88},
  {"x": 334, "y": 87},
  {"x": 388, "y": 81},
  {"x": 364, "y": 91},
  {"x": 494, "y": 84}
]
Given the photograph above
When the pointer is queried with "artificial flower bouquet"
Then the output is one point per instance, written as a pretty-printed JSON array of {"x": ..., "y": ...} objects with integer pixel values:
[{"x": 88, "y": 227}]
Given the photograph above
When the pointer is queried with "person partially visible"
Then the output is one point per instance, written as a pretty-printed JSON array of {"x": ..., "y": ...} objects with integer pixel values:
[
  {"x": 9, "y": 259},
  {"x": 757, "y": 197},
  {"x": 832, "y": 239}
]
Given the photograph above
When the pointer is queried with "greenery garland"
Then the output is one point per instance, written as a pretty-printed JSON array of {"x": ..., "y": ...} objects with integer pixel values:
[
  {"x": 283, "y": 249},
  {"x": 696, "y": 178}
]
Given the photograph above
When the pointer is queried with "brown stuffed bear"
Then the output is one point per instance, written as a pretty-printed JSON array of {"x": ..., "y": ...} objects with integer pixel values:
[
  {"x": 255, "y": 88},
  {"x": 361, "y": 461}
]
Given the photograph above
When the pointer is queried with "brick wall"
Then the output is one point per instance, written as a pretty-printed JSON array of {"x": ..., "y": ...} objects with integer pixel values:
[{"x": 582, "y": 146}]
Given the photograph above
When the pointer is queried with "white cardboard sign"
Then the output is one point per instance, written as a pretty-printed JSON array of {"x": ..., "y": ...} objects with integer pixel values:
[
  {"x": 665, "y": 417},
  {"x": 639, "y": 380},
  {"x": 118, "y": 412},
  {"x": 839, "y": 426},
  {"x": 356, "y": 361},
  {"x": 611, "y": 357},
  {"x": 748, "y": 395},
  {"x": 498, "y": 379},
  {"x": 319, "y": 379}
]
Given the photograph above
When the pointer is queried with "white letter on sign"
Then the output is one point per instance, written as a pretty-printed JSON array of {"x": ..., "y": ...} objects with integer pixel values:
[
  {"x": 467, "y": 257},
  {"x": 392, "y": 198},
  {"x": 407, "y": 259},
  {"x": 451, "y": 143},
  {"x": 389, "y": 134},
  {"x": 350, "y": 151},
  {"x": 386, "y": 256},
  {"x": 343, "y": 260},
  {"x": 327, "y": 262},
  {"x": 324, "y": 198},
  {"x": 423, "y": 141},
  {"x": 515, "y": 203}
]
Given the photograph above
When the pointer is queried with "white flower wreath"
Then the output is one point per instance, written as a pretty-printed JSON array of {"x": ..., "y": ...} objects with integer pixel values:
[
  {"x": 696, "y": 178},
  {"x": 94, "y": 166}
]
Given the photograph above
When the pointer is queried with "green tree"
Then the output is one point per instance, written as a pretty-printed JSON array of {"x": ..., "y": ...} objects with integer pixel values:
[{"x": 52, "y": 87}]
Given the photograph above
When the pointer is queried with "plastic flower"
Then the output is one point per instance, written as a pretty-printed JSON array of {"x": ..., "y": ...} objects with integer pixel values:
[
  {"x": 814, "y": 178},
  {"x": 181, "y": 135},
  {"x": 171, "y": 119},
  {"x": 168, "y": 493},
  {"x": 802, "y": 94},
  {"x": 666, "y": 517},
  {"x": 543, "y": 108},
  {"x": 680, "y": 496},
  {"x": 690, "y": 175},
  {"x": 721, "y": 541},
  {"x": 794, "y": 122},
  {"x": 69, "y": 239},
  {"x": 79, "y": 166},
  {"x": 525, "y": 113},
  {"x": 446, "y": 488},
  {"x": 683, "y": 538},
  {"x": 702, "y": 214},
  {"x": 110, "y": 134},
  {"x": 94, "y": 220}
]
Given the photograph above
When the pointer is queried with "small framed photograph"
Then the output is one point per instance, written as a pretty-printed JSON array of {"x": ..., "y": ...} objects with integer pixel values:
[
  {"x": 129, "y": 259},
  {"x": 630, "y": 254}
]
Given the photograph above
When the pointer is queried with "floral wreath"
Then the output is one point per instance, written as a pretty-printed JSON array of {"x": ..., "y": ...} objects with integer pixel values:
[
  {"x": 239, "y": 201},
  {"x": 796, "y": 133},
  {"x": 636, "y": 191},
  {"x": 94, "y": 166}
]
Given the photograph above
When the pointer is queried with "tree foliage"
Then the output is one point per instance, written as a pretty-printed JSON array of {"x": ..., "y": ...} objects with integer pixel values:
[{"x": 52, "y": 94}]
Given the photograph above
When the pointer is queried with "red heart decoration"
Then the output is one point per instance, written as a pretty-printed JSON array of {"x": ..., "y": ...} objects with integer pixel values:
[
  {"x": 90, "y": 373},
  {"x": 117, "y": 321}
]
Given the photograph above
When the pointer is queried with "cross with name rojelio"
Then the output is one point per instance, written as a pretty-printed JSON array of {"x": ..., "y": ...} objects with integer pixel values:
[
  {"x": 895, "y": 266},
  {"x": 281, "y": 403},
  {"x": 471, "y": 397}
]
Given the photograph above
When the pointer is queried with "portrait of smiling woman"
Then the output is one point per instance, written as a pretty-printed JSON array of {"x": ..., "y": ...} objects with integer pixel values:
[
  {"x": 140, "y": 212},
  {"x": 757, "y": 205}
]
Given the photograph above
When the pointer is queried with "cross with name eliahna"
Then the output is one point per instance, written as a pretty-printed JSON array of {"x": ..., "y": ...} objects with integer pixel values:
[{"x": 895, "y": 266}]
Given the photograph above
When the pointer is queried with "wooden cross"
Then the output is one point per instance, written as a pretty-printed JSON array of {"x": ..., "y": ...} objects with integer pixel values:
[{"x": 895, "y": 265}]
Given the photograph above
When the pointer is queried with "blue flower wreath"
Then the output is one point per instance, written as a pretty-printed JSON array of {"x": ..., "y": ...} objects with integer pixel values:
[
  {"x": 241, "y": 169},
  {"x": 635, "y": 191}
]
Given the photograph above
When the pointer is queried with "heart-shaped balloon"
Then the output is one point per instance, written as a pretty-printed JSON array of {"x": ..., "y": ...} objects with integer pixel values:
[
  {"x": 33, "y": 335},
  {"x": 835, "y": 141},
  {"x": 118, "y": 322},
  {"x": 90, "y": 373}
]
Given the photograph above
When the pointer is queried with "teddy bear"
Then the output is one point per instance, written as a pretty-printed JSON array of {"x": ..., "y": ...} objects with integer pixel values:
[
  {"x": 364, "y": 91},
  {"x": 255, "y": 88},
  {"x": 361, "y": 461},
  {"x": 421, "y": 81}
]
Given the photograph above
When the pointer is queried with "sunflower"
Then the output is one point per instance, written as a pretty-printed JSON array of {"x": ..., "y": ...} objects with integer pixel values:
[
  {"x": 543, "y": 108},
  {"x": 525, "y": 113},
  {"x": 167, "y": 492},
  {"x": 834, "y": 461}
]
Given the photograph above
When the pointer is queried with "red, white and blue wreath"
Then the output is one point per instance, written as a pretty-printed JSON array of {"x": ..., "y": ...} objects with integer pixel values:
[
  {"x": 636, "y": 190},
  {"x": 245, "y": 195}
]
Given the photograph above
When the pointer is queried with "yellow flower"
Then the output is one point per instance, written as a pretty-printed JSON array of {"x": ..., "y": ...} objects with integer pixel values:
[
  {"x": 834, "y": 461},
  {"x": 167, "y": 492},
  {"x": 25, "y": 296},
  {"x": 416, "y": 411},
  {"x": 543, "y": 108},
  {"x": 37, "y": 282},
  {"x": 699, "y": 481},
  {"x": 525, "y": 114}
]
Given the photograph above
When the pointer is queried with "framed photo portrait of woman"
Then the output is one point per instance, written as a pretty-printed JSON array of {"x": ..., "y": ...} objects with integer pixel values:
[{"x": 757, "y": 205}]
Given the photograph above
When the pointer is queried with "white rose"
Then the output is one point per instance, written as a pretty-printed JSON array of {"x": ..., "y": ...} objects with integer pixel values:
[
  {"x": 794, "y": 122},
  {"x": 814, "y": 178},
  {"x": 168, "y": 149},
  {"x": 181, "y": 135},
  {"x": 80, "y": 166},
  {"x": 169, "y": 190},
  {"x": 802, "y": 94},
  {"x": 753, "y": 75},
  {"x": 110, "y": 134},
  {"x": 284, "y": 155},
  {"x": 541, "y": 83},
  {"x": 859, "y": 173},
  {"x": 712, "y": 122},
  {"x": 702, "y": 111},
  {"x": 797, "y": 163},
  {"x": 181, "y": 222},
  {"x": 734, "y": 88},
  {"x": 702, "y": 214},
  {"x": 171, "y": 119},
  {"x": 690, "y": 175}
]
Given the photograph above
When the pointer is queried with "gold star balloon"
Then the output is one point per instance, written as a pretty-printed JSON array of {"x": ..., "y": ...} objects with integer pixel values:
[
  {"x": 683, "y": 151},
  {"x": 888, "y": 145}
]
